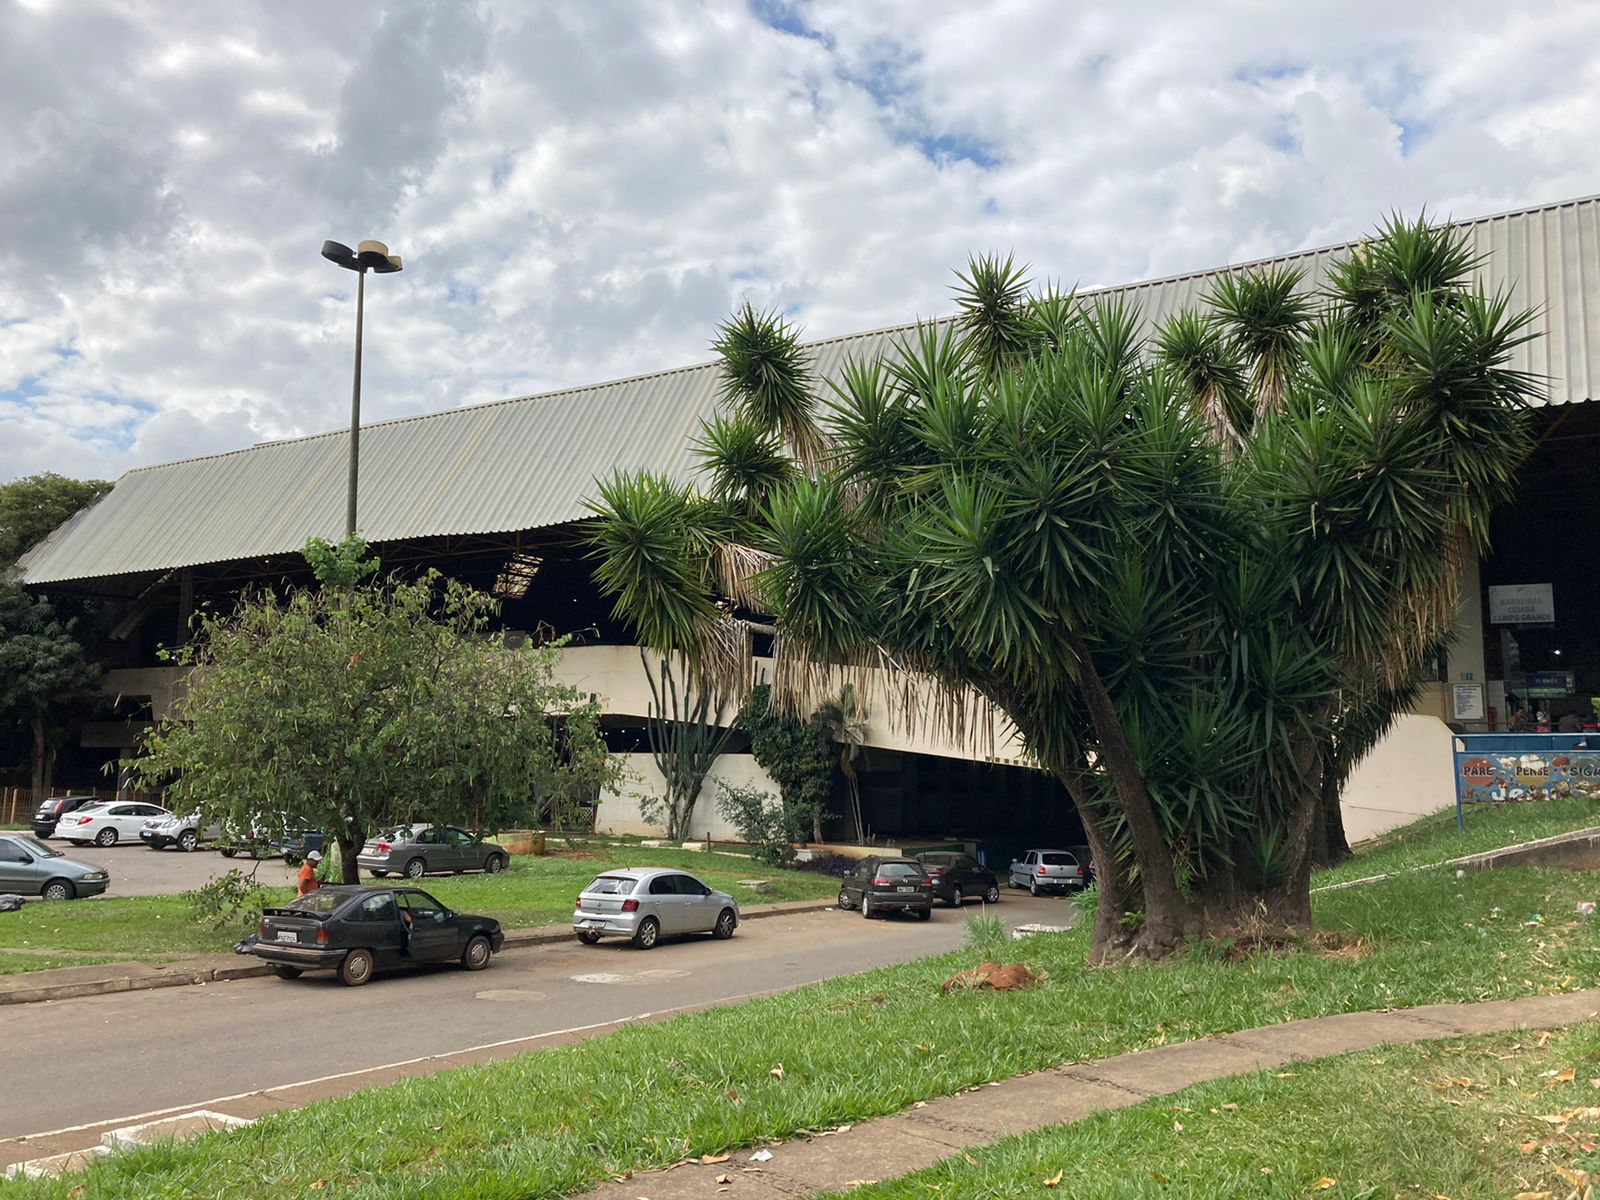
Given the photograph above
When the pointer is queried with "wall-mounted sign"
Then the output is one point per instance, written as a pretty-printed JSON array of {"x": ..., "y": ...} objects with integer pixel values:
[
  {"x": 1547, "y": 685},
  {"x": 1466, "y": 702},
  {"x": 1522, "y": 604}
]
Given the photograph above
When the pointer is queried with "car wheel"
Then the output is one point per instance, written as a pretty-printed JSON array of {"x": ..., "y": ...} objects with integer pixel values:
[
  {"x": 415, "y": 868},
  {"x": 188, "y": 840},
  {"x": 992, "y": 896},
  {"x": 379, "y": 874},
  {"x": 356, "y": 968},
  {"x": 1011, "y": 882},
  {"x": 844, "y": 900},
  {"x": 106, "y": 837},
  {"x": 647, "y": 934},
  {"x": 59, "y": 889},
  {"x": 925, "y": 914},
  {"x": 1033, "y": 886},
  {"x": 725, "y": 924},
  {"x": 956, "y": 900},
  {"x": 495, "y": 865},
  {"x": 283, "y": 972},
  {"x": 476, "y": 956},
  {"x": 228, "y": 852},
  {"x": 588, "y": 937},
  {"x": 866, "y": 905}
]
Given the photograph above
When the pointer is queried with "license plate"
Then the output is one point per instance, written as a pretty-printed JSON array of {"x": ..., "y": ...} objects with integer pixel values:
[
  {"x": 285, "y": 935},
  {"x": 905, "y": 887},
  {"x": 594, "y": 924}
]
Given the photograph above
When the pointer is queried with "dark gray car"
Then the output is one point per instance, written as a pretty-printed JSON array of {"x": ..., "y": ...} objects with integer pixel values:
[
  {"x": 418, "y": 850},
  {"x": 28, "y": 867}
]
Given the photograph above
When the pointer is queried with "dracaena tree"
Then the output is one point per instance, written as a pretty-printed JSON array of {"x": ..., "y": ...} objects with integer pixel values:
[{"x": 1198, "y": 569}]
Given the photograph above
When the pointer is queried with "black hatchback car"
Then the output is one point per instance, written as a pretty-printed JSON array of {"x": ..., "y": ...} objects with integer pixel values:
[
  {"x": 359, "y": 930},
  {"x": 52, "y": 810},
  {"x": 959, "y": 877},
  {"x": 883, "y": 885}
]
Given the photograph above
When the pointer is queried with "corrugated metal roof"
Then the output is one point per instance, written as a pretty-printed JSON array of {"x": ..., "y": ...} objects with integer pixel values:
[{"x": 531, "y": 462}]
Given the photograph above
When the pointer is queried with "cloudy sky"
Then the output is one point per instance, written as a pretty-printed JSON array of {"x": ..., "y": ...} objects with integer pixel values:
[{"x": 582, "y": 190}]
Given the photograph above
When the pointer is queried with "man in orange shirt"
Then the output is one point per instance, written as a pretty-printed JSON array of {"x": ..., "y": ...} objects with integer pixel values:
[{"x": 307, "y": 880}]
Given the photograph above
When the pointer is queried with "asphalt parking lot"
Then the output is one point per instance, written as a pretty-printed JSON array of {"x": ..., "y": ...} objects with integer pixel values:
[{"x": 137, "y": 870}]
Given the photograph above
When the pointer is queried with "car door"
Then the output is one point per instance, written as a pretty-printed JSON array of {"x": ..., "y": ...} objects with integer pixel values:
[
  {"x": 855, "y": 883},
  {"x": 433, "y": 935},
  {"x": 666, "y": 903},
  {"x": 376, "y": 925},
  {"x": 462, "y": 848},
  {"x": 699, "y": 912},
  {"x": 972, "y": 878},
  {"x": 16, "y": 867}
]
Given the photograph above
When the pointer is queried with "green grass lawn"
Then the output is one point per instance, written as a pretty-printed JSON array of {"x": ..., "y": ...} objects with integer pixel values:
[
  {"x": 534, "y": 891},
  {"x": 556, "y": 1121},
  {"x": 1435, "y": 838},
  {"x": 1456, "y": 1120}
]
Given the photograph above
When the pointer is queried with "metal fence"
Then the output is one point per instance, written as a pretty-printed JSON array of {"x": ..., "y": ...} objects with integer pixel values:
[{"x": 17, "y": 803}]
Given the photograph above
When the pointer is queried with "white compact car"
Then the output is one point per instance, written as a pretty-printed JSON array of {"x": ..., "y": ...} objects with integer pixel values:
[{"x": 107, "y": 823}]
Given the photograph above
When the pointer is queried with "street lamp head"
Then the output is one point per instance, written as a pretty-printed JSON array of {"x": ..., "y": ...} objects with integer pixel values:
[{"x": 368, "y": 256}]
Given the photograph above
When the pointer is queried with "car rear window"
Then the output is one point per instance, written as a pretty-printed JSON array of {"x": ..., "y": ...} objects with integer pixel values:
[
  {"x": 319, "y": 902},
  {"x": 611, "y": 885},
  {"x": 938, "y": 860},
  {"x": 899, "y": 870},
  {"x": 1057, "y": 860}
]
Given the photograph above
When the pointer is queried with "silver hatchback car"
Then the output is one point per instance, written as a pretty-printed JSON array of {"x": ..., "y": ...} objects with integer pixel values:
[
  {"x": 647, "y": 904},
  {"x": 31, "y": 868}
]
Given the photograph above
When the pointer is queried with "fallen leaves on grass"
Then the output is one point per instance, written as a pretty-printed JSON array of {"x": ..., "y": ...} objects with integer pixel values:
[
  {"x": 1054, "y": 1180},
  {"x": 1325, "y": 1183}
]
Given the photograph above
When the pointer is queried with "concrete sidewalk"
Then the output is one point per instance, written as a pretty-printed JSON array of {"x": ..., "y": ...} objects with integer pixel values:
[
  {"x": 891, "y": 1146},
  {"x": 66, "y": 983}
]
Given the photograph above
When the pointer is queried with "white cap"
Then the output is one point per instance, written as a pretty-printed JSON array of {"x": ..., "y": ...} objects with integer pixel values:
[{"x": 314, "y": 856}]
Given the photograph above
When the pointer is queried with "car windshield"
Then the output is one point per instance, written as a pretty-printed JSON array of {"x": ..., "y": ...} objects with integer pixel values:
[
  {"x": 899, "y": 870},
  {"x": 1057, "y": 860},
  {"x": 37, "y": 848},
  {"x": 319, "y": 902},
  {"x": 611, "y": 885}
]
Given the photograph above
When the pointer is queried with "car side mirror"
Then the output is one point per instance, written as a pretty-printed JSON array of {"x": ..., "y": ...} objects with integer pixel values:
[{"x": 439, "y": 916}]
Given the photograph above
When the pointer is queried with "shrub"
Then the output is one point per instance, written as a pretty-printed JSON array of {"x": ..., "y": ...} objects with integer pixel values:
[
  {"x": 987, "y": 935},
  {"x": 232, "y": 900},
  {"x": 761, "y": 820}
]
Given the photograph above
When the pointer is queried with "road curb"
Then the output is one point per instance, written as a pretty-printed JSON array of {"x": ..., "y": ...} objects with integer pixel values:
[{"x": 190, "y": 974}]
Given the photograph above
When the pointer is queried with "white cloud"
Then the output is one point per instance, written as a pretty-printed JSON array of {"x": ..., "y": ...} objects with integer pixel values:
[{"x": 583, "y": 191}]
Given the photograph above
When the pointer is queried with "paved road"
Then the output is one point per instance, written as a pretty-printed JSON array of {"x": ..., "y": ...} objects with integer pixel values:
[
  {"x": 107, "y": 1057},
  {"x": 137, "y": 870}
]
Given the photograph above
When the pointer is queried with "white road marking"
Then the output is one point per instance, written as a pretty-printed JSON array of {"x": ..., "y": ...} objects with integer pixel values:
[{"x": 407, "y": 1062}]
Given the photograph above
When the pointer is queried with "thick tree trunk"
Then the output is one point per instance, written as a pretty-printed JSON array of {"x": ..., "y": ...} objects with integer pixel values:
[
  {"x": 1331, "y": 846},
  {"x": 1167, "y": 915},
  {"x": 1112, "y": 937},
  {"x": 349, "y": 842},
  {"x": 41, "y": 756}
]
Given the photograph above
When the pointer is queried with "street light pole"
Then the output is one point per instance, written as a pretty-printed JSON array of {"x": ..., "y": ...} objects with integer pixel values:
[{"x": 368, "y": 256}]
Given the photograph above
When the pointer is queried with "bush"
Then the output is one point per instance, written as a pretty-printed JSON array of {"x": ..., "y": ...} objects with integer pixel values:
[
  {"x": 987, "y": 935},
  {"x": 230, "y": 901},
  {"x": 825, "y": 863},
  {"x": 761, "y": 821}
]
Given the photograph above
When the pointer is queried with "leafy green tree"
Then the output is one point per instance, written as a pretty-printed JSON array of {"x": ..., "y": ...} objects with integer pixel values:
[
  {"x": 31, "y": 507},
  {"x": 42, "y": 669},
  {"x": 1194, "y": 571},
  {"x": 353, "y": 706},
  {"x": 688, "y": 730},
  {"x": 798, "y": 754}
]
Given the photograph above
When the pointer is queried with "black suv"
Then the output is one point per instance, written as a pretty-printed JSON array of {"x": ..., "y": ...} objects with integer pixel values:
[
  {"x": 880, "y": 885},
  {"x": 53, "y": 809},
  {"x": 959, "y": 877}
]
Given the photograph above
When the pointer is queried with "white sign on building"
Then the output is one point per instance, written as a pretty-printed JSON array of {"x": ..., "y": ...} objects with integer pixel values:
[{"x": 1522, "y": 604}]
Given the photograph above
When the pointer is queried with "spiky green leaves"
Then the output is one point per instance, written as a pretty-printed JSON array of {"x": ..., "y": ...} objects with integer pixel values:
[
  {"x": 767, "y": 379},
  {"x": 745, "y": 461},
  {"x": 654, "y": 542},
  {"x": 1265, "y": 313}
]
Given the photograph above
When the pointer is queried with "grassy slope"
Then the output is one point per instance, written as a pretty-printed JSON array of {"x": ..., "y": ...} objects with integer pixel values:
[
  {"x": 553, "y": 1122},
  {"x": 1457, "y": 1120},
  {"x": 535, "y": 891},
  {"x": 1434, "y": 839}
]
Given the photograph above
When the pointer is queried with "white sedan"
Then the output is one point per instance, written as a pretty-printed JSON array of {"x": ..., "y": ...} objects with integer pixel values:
[{"x": 107, "y": 823}]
